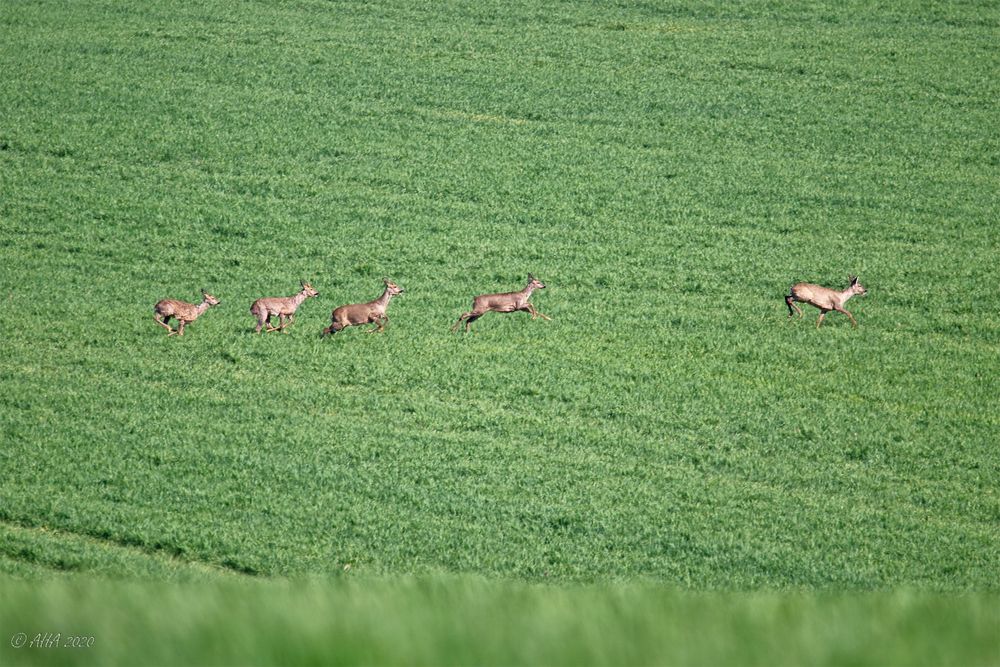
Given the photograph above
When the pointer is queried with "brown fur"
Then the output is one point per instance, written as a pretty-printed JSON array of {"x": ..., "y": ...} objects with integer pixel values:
[
  {"x": 372, "y": 312},
  {"x": 506, "y": 302},
  {"x": 281, "y": 307},
  {"x": 823, "y": 298},
  {"x": 182, "y": 311}
]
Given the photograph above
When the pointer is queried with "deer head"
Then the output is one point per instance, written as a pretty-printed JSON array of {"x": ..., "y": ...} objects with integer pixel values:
[
  {"x": 535, "y": 283},
  {"x": 308, "y": 289},
  {"x": 209, "y": 299},
  {"x": 856, "y": 287}
]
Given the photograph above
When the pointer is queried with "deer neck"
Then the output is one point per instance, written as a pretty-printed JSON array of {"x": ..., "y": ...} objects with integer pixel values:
[
  {"x": 529, "y": 288},
  {"x": 845, "y": 295},
  {"x": 383, "y": 300},
  {"x": 299, "y": 298},
  {"x": 202, "y": 307}
]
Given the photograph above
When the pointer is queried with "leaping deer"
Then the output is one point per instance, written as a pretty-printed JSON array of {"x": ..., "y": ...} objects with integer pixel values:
[
  {"x": 281, "y": 307},
  {"x": 372, "y": 312},
  {"x": 823, "y": 298},
  {"x": 507, "y": 302},
  {"x": 184, "y": 312}
]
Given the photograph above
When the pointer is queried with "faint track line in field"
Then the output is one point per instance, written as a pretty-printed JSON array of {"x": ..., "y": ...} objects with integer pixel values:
[
  {"x": 162, "y": 555},
  {"x": 476, "y": 117},
  {"x": 662, "y": 27}
]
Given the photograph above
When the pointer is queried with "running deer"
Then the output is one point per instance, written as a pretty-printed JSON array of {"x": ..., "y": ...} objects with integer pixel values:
[
  {"x": 823, "y": 298},
  {"x": 372, "y": 312},
  {"x": 184, "y": 312},
  {"x": 281, "y": 307},
  {"x": 507, "y": 302}
]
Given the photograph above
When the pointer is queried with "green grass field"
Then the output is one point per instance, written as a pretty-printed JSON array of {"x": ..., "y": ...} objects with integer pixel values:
[{"x": 668, "y": 170}]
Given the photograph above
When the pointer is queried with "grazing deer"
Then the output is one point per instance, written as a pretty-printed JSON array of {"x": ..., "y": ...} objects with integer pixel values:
[
  {"x": 281, "y": 307},
  {"x": 372, "y": 312},
  {"x": 507, "y": 302},
  {"x": 184, "y": 312},
  {"x": 823, "y": 298}
]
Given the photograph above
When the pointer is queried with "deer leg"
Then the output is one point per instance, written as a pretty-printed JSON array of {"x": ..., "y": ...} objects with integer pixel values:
[
  {"x": 164, "y": 323},
  {"x": 534, "y": 313},
  {"x": 180, "y": 328},
  {"x": 472, "y": 318},
  {"x": 853, "y": 321},
  {"x": 282, "y": 323},
  {"x": 267, "y": 322},
  {"x": 468, "y": 318},
  {"x": 790, "y": 302},
  {"x": 822, "y": 314}
]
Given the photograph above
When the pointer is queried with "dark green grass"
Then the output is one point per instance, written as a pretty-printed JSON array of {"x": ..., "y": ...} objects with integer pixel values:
[
  {"x": 469, "y": 621},
  {"x": 667, "y": 171}
]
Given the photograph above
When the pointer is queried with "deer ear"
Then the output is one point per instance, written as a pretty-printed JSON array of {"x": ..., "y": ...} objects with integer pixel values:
[
  {"x": 531, "y": 277},
  {"x": 385, "y": 280},
  {"x": 854, "y": 280}
]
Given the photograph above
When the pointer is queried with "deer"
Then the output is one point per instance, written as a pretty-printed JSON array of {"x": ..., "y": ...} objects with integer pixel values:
[
  {"x": 184, "y": 312},
  {"x": 281, "y": 307},
  {"x": 372, "y": 312},
  {"x": 507, "y": 302},
  {"x": 824, "y": 298}
]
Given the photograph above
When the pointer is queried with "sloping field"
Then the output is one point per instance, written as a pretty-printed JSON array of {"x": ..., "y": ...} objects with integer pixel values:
[{"x": 668, "y": 170}]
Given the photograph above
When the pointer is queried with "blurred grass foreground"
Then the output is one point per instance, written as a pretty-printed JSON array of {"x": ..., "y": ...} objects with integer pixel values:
[{"x": 472, "y": 620}]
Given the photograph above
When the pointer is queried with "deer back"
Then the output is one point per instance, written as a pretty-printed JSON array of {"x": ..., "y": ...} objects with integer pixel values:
[
  {"x": 182, "y": 310},
  {"x": 284, "y": 305},
  {"x": 499, "y": 301},
  {"x": 279, "y": 304},
  {"x": 354, "y": 313},
  {"x": 816, "y": 295}
]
